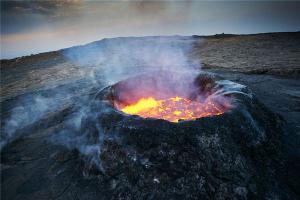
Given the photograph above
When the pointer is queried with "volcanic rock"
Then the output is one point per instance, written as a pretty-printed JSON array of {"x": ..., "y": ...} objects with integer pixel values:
[
  {"x": 229, "y": 156},
  {"x": 250, "y": 152}
]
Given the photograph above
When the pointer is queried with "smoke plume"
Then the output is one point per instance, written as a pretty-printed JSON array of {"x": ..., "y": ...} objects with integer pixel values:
[{"x": 107, "y": 61}]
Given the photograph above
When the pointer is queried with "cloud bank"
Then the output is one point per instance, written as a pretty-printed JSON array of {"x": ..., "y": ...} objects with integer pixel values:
[{"x": 37, "y": 26}]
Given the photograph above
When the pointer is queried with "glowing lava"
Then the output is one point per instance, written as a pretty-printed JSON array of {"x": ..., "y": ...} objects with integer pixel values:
[{"x": 174, "y": 109}]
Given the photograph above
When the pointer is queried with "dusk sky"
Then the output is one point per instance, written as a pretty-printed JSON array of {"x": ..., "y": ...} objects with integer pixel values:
[{"x": 30, "y": 27}]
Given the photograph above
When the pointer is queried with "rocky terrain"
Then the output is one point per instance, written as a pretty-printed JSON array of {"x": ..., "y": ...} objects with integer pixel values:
[{"x": 41, "y": 95}]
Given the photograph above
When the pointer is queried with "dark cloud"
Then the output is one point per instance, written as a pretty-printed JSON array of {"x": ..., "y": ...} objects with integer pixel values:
[
  {"x": 21, "y": 7},
  {"x": 18, "y": 16},
  {"x": 35, "y": 7}
]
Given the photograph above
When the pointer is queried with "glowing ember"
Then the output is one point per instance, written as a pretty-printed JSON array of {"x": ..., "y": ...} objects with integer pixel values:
[{"x": 173, "y": 109}]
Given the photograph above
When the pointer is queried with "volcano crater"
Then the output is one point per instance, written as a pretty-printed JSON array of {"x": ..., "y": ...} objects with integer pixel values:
[{"x": 203, "y": 157}]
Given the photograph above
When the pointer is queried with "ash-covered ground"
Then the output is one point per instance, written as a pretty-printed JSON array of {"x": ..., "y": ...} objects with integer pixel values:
[{"x": 46, "y": 97}]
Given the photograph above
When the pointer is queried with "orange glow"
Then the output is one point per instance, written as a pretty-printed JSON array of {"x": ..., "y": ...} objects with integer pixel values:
[{"x": 174, "y": 108}]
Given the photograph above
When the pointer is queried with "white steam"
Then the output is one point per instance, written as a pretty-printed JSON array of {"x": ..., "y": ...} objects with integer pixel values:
[
  {"x": 122, "y": 57},
  {"x": 100, "y": 64},
  {"x": 106, "y": 61}
]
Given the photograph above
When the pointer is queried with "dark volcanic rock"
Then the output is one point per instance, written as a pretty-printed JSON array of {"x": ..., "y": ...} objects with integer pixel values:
[
  {"x": 231, "y": 156},
  {"x": 235, "y": 155}
]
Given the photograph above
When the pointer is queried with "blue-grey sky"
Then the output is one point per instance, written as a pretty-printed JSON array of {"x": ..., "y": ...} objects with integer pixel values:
[{"x": 29, "y": 27}]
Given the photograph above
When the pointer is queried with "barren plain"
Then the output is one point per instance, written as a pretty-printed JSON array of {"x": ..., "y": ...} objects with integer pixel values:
[{"x": 39, "y": 93}]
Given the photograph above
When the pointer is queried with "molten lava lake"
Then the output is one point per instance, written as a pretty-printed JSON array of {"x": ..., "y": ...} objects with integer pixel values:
[
  {"x": 145, "y": 144},
  {"x": 173, "y": 109},
  {"x": 172, "y": 97}
]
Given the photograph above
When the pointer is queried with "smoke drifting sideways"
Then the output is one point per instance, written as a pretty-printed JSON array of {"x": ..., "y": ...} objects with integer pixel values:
[
  {"x": 119, "y": 58},
  {"x": 107, "y": 61}
]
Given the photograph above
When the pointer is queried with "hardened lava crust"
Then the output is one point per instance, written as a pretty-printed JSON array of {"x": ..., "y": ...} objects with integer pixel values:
[{"x": 231, "y": 155}]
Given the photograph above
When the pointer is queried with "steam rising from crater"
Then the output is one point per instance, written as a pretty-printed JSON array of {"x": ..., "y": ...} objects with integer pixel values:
[
  {"x": 101, "y": 64},
  {"x": 98, "y": 64},
  {"x": 119, "y": 58}
]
